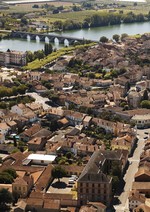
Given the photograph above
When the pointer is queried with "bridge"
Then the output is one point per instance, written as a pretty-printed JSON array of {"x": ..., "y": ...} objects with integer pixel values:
[{"x": 42, "y": 37}]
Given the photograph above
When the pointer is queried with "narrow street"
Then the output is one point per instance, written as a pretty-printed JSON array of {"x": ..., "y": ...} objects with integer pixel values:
[{"x": 129, "y": 176}]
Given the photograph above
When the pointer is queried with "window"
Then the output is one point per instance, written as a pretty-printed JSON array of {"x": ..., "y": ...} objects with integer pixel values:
[{"x": 87, "y": 190}]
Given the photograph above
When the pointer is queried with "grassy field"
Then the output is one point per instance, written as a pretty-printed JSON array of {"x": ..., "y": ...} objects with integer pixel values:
[
  {"x": 81, "y": 15},
  {"x": 26, "y": 8}
]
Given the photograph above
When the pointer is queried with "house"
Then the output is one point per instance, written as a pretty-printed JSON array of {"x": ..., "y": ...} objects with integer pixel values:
[
  {"x": 2, "y": 138},
  {"x": 142, "y": 207},
  {"x": 142, "y": 121},
  {"x": 29, "y": 133},
  {"x": 87, "y": 121},
  {"x": 39, "y": 159},
  {"x": 142, "y": 182},
  {"x": 126, "y": 142},
  {"x": 36, "y": 108},
  {"x": 42, "y": 204},
  {"x": 12, "y": 125},
  {"x": 13, "y": 58},
  {"x": 34, "y": 75},
  {"x": 93, "y": 207},
  {"x": 4, "y": 128},
  {"x": 135, "y": 199},
  {"x": 30, "y": 116},
  {"x": 23, "y": 185},
  {"x": 75, "y": 118},
  {"x": 62, "y": 123},
  {"x": 134, "y": 98},
  {"x": 36, "y": 144},
  {"x": 40, "y": 88},
  {"x": 20, "y": 109},
  {"x": 93, "y": 185}
]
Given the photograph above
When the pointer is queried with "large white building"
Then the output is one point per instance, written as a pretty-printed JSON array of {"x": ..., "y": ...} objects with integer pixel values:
[{"x": 13, "y": 58}]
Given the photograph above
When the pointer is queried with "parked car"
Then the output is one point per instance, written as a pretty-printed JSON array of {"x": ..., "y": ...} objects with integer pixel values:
[{"x": 71, "y": 181}]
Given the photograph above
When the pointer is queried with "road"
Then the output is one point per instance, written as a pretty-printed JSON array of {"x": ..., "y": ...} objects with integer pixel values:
[
  {"x": 40, "y": 100},
  {"x": 133, "y": 167}
]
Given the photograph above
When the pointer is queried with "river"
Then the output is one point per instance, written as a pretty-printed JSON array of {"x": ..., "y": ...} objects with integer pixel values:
[{"x": 93, "y": 34}]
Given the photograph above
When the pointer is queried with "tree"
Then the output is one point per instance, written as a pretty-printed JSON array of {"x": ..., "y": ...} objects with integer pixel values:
[
  {"x": 145, "y": 95},
  {"x": 15, "y": 141},
  {"x": 116, "y": 37},
  {"x": 58, "y": 172},
  {"x": 104, "y": 39},
  {"x": 115, "y": 183},
  {"x": 5, "y": 198},
  {"x": 48, "y": 48},
  {"x": 5, "y": 178},
  {"x": 69, "y": 155},
  {"x": 12, "y": 172},
  {"x": 145, "y": 104},
  {"x": 123, "y": 36}
]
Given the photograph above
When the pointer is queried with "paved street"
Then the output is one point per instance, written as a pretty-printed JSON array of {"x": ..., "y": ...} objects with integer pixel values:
[
  {"x": 39, "y": 99},
  {"x": 133, "y": 167}
]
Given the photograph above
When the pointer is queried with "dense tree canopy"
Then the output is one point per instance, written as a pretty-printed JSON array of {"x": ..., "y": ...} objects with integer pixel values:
[
  {"x": 58, "y": 172},
  {"x": 5, "y": 198}
]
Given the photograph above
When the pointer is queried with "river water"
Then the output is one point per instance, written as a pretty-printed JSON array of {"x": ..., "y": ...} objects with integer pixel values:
[{"x": 91, "y": 34}]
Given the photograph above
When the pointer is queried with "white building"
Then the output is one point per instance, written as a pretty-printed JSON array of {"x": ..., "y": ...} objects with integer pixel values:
[
  {"x": 20, "y": 109},
  {"x": 13, "y": 58},
  {"x": 141, "y": 121},
  {"x": 39, "y": 159}
]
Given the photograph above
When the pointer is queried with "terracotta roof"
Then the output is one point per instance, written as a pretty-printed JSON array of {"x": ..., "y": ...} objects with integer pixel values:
[
  {"x": 44, "y": 179},
  {"x": 144, "y": 207},
  {"x": 141, "y": 186},
  {"x": 32, "y": 130},
  {"x": 142, "y": 172},
  {"x": 4, "y": 126},
  {"x": 51, "y": 204},
  {"x": 135, "y": 195},
  {"x": 43, "y": 133},
  {"x": 35, "y": 202},
  {"x": 20, "y": 180},
  {"x": 35, "y": 140},
  {"x": 63, "y": 121},
  {"x": 11, "y": 123}
]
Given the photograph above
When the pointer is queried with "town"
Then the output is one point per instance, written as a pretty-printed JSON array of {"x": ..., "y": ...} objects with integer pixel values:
[
  {"x": 74, "y": 134},
  {"x": 74, "y": 106}
]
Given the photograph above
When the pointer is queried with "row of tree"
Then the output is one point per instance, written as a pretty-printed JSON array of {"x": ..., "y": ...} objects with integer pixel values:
[
  {"x": 103, "y": 19},
  {"x": 5, "y": 91},
  {"x": 40, "y": 54}
]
